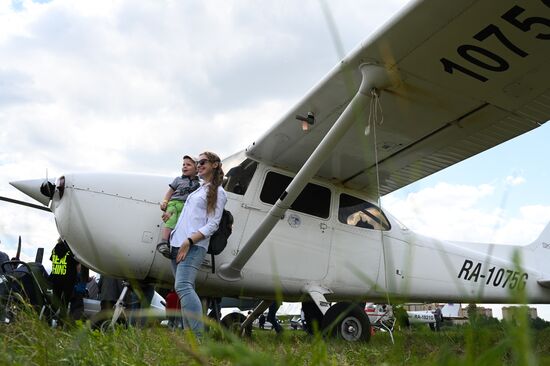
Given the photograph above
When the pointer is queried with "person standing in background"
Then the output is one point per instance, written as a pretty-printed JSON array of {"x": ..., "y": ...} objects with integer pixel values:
[{"x": 63, "y": 275}]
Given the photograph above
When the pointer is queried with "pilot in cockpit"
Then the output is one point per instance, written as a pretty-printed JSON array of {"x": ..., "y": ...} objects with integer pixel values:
[{"x": 368, "y": 218}]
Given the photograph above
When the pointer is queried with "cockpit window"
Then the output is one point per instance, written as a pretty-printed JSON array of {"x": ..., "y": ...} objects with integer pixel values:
[
  {"x": 314, "y": 199},
  {"x": 357, "y": 212},
  {"x": 238, "y": 177}
]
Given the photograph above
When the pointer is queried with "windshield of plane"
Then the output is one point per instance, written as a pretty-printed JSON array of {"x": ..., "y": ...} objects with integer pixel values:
[
  {"x": 360, "y": 213},
  {"x": 238, "y": 175}
]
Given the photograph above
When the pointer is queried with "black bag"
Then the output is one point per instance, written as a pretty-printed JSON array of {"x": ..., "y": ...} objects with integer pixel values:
[{"x": 218, "y": 240}]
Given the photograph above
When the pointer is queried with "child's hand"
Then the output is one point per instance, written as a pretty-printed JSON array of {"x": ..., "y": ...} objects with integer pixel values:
[
  {"x": 163, "y": 205},
  {"x": 166, "y": 216}
]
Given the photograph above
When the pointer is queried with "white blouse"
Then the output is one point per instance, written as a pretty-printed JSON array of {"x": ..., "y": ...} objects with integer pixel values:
[{"x": 194, "y": 218}]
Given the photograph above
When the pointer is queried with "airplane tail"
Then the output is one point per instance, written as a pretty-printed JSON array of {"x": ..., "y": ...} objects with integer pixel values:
[
  {"x": 544, "y": 236},
  {"x": 541, "y": 247},
  {"x": 450, "y": 310},
  {"x": 542, "y": 242}
]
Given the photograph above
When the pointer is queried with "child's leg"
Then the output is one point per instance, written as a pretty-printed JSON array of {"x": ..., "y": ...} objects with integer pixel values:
[
  {"x": 166, "y": 231},
  {"x": 170, "y": 223},
  {"x": 172, "y": 211}
]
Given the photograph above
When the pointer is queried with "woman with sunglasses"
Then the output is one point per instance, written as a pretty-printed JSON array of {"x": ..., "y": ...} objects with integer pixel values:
[{"x": 199, "y": 219}]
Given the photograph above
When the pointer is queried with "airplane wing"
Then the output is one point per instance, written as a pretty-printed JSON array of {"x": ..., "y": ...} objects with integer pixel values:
[{"x": 468, "y": 75}]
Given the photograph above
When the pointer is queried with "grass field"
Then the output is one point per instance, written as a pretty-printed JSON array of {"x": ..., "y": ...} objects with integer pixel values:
[{"x": 29, "y": 341}]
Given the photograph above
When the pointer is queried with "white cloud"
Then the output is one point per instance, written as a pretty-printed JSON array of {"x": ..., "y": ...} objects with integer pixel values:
[
  {"x": 456, "y": 212},
  {"x": 37, "y": 229},
  {"x": 514, "y": 180},
  {"x": 445, "y": 211}
]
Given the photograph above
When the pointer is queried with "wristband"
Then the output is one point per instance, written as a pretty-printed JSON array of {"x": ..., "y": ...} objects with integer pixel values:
[{"x": 190, "y": 241}]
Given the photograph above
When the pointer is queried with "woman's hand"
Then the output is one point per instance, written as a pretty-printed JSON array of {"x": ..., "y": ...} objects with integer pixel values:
[{"x": 182, "y": 252}]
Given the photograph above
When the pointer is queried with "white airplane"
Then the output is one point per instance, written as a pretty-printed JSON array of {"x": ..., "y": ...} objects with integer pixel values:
[
  {"x": 448, "y": 311},
  {"x": 377, "y": 312},
  {"x": 450, "y": 79}
]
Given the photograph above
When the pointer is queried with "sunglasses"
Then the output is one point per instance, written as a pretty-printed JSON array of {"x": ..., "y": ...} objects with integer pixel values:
[{"x": 202, "y": 162}]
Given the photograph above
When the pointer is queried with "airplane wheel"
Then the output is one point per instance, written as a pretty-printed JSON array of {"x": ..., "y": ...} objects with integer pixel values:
[
  {"x": 102, "y": 320},
  {"x": 104, "y": 326},
  {"x": 97, "y": 320},
  {"x": 233, "y": 322},
  {"x": 347, "y": 321},
  {"x": 312, "y": 315}
]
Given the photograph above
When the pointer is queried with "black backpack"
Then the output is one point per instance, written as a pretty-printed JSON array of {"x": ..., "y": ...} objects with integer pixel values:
[{"x": 218, "y": 240}]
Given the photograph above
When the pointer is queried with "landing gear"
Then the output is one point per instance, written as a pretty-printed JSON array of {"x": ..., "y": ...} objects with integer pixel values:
[
  {"x": 347, "y": 321},
  {"x": 312, "y": 315},
  {"x": 103, "y": 320},
  {"x": 233, "y": 322}
]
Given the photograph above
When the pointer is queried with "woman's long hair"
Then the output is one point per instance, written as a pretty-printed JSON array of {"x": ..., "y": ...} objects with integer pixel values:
[{"x": 217, "y": 179}]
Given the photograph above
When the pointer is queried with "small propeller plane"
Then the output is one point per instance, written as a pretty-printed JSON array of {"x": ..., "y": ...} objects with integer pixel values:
[
  {"x": 376, "y": 312},
  {"x": 441, "y": 82}
]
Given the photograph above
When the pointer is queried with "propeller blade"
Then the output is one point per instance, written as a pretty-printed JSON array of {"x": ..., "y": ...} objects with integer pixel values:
[
  {"x": 18, "y": 254},
  {"x": 39, "y": 255},
  {"x": 23, "y": 203}
]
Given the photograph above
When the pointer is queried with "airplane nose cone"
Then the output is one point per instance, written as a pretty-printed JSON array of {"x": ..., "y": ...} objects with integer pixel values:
[{"x": 32, "y": 189}]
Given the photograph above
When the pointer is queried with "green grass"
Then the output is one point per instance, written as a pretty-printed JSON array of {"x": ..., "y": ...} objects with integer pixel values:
[{"x": 29, "y": 341}]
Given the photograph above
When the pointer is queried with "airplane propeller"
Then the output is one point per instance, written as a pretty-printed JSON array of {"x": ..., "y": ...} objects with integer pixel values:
[
  {"x": 23, "y": 203},
  {"x": 47, "y": 188},
  {"x": 40, "y": 190}
]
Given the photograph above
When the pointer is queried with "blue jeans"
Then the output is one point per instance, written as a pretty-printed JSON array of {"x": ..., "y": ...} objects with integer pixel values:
[
  {"x": 191, "y": 307},
  {"x": 173, "y": 255}
]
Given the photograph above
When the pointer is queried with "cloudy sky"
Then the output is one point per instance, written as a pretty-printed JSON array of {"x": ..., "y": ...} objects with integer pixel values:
[{"x": 132, "y": 85}]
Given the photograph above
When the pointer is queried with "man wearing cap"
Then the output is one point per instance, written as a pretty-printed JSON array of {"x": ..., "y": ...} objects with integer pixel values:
[{"x": 174, "y": 199}]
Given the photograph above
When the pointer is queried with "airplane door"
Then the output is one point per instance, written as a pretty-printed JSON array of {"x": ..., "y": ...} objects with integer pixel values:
[
  {"x": 357, "y": 244},
  {"x": 299, "y": 245},
  {"x": 355, "y": 257},
  {"x": 397, "y": 262}
]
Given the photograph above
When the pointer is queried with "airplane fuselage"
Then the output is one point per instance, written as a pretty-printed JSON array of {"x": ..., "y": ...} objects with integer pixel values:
[{"x": 112, "y": 222}]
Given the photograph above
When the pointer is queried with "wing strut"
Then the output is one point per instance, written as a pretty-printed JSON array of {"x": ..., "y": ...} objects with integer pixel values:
[{"x": 373, "y": 77}]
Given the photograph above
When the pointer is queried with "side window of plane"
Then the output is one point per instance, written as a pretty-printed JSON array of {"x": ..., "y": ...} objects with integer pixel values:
[
  {"x": 238, "y": 178},
  {"x": 357, "y": 212},
  {"x": 314, "y": 199}
]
